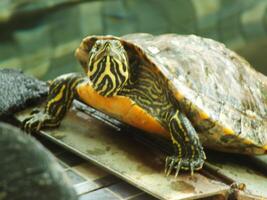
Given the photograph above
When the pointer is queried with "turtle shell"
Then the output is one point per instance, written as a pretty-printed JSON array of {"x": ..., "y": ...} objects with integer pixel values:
[{"x": 222, "y": 95}]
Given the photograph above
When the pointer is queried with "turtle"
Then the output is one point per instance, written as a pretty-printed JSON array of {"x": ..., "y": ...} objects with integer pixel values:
[{"x": 191, "y": 90}]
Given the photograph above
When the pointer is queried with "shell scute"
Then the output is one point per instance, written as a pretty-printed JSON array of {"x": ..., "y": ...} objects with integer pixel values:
[{"x": 210, "y": 80}]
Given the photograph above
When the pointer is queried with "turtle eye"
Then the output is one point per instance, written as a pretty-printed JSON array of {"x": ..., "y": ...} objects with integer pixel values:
[
  {"x": 118, "y": 45},
  {"x": 97, "y": 46}
]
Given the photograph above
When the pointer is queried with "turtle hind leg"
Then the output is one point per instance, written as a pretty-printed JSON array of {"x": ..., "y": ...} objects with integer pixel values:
[
  {"x": 62, "y": 91},
  {"x": 189, "y": 154}
]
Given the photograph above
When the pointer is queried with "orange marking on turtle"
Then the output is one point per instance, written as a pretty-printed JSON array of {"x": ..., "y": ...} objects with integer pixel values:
[
  {"x": 228, "y": 131},
  {"x": 122, "y": 108},
  {"x": 179, "y": 96},
  {"x": 203, "y": 115}
]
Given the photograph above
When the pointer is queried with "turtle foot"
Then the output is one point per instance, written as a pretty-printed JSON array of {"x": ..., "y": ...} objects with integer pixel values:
[
  {"x": 36, "y": 121},
  {"x": 174, "y": 163}
]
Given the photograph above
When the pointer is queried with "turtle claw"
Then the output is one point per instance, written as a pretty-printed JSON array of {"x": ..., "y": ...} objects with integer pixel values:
[
  {"x": 171, "y": 166},
  {"x": 178, "y": 169},
  {"x": 34, "y": 111},
  {"x": 192, "y": 169},
  {"x": 34, "y": 122},
  {"x": 174, "y": 162},
  {"x": 166, "y": 164}
]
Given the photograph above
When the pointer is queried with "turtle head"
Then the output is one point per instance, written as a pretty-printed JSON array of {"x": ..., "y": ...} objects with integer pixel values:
[{"x": 108, "y": 67}]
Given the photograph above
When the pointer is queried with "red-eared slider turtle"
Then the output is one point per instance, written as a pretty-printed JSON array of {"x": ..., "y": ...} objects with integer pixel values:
[{"x": 189, "y": 89}]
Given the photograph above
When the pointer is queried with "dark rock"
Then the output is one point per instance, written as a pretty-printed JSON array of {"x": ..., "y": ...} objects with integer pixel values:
[
  {"x": 28, "y": 170},
  {"x": 18, "y": 90}
]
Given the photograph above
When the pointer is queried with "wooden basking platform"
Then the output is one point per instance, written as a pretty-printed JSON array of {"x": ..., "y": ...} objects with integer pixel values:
[{"x": 108, "y": 160}]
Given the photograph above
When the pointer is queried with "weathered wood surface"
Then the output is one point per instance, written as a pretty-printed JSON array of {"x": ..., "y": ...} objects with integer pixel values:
[{"x": 120, "y": 151}]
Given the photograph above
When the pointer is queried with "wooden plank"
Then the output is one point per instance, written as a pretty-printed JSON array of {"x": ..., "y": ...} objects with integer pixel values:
[{"x": 119, "y": 153}]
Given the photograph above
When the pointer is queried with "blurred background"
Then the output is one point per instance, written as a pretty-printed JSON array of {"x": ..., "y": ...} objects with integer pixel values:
[{"x": 40, "y": 37}]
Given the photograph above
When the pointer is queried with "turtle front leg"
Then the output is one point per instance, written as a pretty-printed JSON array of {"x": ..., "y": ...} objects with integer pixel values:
[
  {"x": 189, "y": 154},
  {"x": 62, "y": 91}
]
